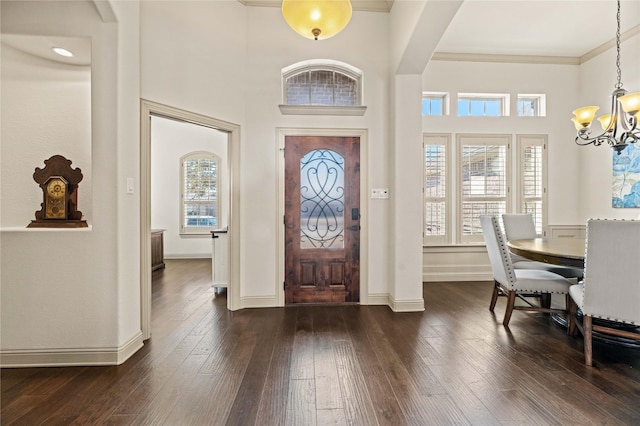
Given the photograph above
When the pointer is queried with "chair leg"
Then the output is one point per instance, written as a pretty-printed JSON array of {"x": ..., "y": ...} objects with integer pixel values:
[
  {"x": 572, "y": 308},
  {"x": 588, "y": 348},
  {"x": 511, "y": 301},
  {"x": 545, "y": 300},
  {"x": 494, "y": 296}
]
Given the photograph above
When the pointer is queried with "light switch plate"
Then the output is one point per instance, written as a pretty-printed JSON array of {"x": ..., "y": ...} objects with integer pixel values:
[{"x": 129, "y": 185}]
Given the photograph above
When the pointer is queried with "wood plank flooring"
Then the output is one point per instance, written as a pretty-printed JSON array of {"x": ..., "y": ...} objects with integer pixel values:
[{"x": 335, "y": 365}]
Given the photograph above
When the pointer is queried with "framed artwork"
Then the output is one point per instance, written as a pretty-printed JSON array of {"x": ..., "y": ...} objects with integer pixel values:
[{"x": 626, "y": 178}]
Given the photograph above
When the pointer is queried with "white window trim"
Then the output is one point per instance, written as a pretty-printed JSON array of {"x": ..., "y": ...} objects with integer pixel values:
[
  {"x": 541, "y": 104},
  {"x": 504, "y": 98},
  {"x": 329, "y": 65},
  {"x": 523, "y": 141},
  {"x": 439, "y": 139},
  {"x": 444, "y": 96},
  {"x": 184, "y": 230},
  {"x": 479, "y": 139}
]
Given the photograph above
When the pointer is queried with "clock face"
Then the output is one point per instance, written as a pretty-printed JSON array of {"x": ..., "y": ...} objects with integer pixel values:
[
  {"x": 56, "y": 188},
  {"x": 55, "y": 200}
]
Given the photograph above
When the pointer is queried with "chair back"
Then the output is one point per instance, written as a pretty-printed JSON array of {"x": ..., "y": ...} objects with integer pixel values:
[
  {"x": 498, "y": 251},
  {"x": 518, "y": 226},
  {"x": 612, "y": 270}
]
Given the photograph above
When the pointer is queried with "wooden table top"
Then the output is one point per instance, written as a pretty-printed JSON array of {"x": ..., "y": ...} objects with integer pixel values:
[{"x": 557, "y": 251}]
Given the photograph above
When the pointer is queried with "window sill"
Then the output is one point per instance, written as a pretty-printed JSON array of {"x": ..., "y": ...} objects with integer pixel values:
[
  {"x": 322, "y": 110},
  {"x": 195, "y": 234}
]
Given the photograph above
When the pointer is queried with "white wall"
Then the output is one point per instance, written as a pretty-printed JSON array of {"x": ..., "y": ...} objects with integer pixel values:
[
  {"x": 71, "y": 296},
  {"x": 363, "y": 44},
  {"x": 170, "y": 140},
  {"x": 226, "y": 64},
  {"x": 580, "y": 178},
  {"x": 46, "y": 110},
  {"x": 558, "y": 82}
]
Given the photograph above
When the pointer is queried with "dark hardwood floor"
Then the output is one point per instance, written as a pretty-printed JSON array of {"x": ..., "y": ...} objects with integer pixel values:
[{"x": 362, "y": 365}]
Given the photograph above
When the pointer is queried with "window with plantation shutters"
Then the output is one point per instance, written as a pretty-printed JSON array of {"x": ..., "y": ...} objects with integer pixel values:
[
  {"x": 473, "y": 177},
  {"x": 532, "y": 191},
  {"x": 199, "y": 197},
  {"x": 483, "y": 177},
  {"x": 436, "y": 189}
]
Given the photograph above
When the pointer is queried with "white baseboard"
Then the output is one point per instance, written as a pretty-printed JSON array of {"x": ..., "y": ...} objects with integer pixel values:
[
  {"x": 188, "y": 256},
  {"x": 411, "y": 305},
  {"x": 456, "y": 276},
  {"x": 259, "y": 302},
  {"x": 386, "y": 299},
  {"x": 378, "y": 299},
  {"x": 66, "y": 357}
]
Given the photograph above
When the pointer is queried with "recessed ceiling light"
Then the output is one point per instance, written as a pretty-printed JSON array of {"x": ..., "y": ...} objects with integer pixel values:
[{"x": 62, "y": 52}]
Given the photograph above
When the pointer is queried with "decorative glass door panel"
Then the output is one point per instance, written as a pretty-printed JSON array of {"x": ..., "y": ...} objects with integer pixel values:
[{"x": 322, "y": 200}]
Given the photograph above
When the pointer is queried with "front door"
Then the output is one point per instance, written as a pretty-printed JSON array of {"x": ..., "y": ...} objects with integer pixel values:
[{"x": 322, "y": 219}]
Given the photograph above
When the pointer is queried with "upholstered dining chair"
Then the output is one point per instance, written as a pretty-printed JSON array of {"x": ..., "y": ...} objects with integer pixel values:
[
  {"x": 611, "y": 286},
  {"x": 520, "y": 283},
  {"x": 518, "y": 226}
]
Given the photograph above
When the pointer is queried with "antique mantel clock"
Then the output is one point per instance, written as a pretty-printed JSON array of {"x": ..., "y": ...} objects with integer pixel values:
[{"x": 59, "y": 184}]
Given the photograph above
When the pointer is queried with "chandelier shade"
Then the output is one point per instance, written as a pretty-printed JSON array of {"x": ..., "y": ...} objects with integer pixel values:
[
  {"x": 317, "y": 19},
  {"x": 620, "y": 126}
]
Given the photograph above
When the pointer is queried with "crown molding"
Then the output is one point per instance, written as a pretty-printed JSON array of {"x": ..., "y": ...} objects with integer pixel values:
[
  {"x": 359, "y": 5},
  {"x": 516, "y": 59},
  {"x": 610, "y": 44}
]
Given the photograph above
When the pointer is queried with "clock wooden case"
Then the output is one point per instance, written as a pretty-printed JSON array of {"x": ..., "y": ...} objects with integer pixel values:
[{"x": 59, "y": 184}]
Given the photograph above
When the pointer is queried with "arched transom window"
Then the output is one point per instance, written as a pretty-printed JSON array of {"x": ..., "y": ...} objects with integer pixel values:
[{"x": 322, "y": 87}]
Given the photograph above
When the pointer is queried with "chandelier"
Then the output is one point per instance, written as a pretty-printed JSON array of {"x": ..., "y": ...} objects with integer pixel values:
[
  {"x": 620, "y": 127},
  {"x": 317, "y": 19}
]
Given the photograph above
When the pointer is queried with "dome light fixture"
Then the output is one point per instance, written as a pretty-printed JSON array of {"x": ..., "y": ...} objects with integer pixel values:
[
  {"x": 620, "y": 127},
  {"x": 317, "y": 19}
]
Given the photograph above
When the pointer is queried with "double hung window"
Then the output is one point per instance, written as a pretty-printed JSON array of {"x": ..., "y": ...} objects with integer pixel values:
[{"x": 199, "y": 193}]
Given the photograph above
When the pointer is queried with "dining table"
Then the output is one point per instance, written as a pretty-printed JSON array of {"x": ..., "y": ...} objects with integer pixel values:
[
  {"x": 556, "y": 251},
  {"x": 566, "y": 252}
]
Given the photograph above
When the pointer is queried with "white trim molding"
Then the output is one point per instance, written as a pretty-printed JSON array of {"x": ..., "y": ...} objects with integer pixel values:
[
  {"x": 322, "y": 110},
  {"x": 409, "y": 305},
  {"x": 259, "y": 302},
  {"x": 62, "y": 357},
  {"x": 147, "y": 110}
]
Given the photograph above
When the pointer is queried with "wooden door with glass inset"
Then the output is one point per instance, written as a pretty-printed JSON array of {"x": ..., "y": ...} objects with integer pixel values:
[{"x": 322, "y": 219}]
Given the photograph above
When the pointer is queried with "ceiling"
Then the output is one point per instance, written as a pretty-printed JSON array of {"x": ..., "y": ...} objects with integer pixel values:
[
  {"x": 560, "y": 28},
  {"x": 42, "y": 46}
]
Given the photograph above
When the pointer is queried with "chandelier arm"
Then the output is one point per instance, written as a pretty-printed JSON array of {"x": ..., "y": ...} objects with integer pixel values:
[
  {"x": 621, "y": 127},
  {"x": 584, "y": 139},
  {"x": 629, "y": 123}
]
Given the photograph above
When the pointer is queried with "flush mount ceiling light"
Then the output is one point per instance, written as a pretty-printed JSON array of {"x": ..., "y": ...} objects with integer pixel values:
[
  {"x": 317, "y": 19},
  {"x": 62, "y": 51},
  {"x": 620, "y": 127}
]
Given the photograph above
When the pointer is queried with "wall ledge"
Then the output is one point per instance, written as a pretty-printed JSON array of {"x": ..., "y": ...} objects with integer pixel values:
[{"x": 25, "y": 229}]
